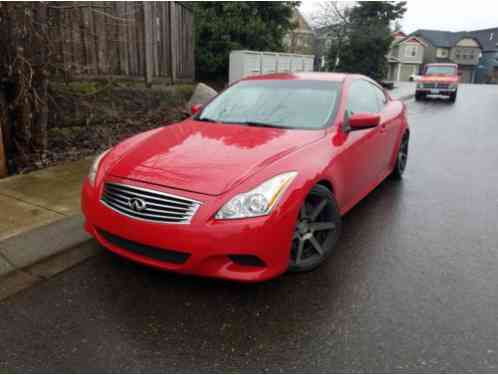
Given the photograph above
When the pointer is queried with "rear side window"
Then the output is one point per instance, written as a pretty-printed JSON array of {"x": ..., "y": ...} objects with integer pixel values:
[{"x": 363, "y": 97}]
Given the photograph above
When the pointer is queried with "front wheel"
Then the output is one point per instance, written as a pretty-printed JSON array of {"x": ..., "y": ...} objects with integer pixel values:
[
  {"x": 453, "y": 97},
  {"x": 317, "y": 230},
  {"x": 401, "y": 158},
  {"x": 419, "y": 96}
]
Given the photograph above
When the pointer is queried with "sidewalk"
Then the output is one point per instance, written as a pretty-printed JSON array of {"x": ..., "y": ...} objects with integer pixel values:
[
  {"x": 31, "y": 200},
  {"x": 40, "y": 214}
]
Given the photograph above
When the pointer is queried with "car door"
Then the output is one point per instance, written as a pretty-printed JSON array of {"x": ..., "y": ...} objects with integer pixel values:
[
  {"x": 361, "y": 156},
  {"x": 391, "y": 122}
]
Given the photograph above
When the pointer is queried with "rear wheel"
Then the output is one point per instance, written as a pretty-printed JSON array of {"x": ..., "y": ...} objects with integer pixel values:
[
  {"x": 317, "y": 230},
  {"x": 402, "y": 157}
]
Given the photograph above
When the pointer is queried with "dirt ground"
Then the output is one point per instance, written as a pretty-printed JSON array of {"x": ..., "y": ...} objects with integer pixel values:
[{"x": 88, "y": 117}]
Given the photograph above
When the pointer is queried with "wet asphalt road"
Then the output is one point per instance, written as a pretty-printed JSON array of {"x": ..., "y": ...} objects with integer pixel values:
[{"x": 413, "y": 285}]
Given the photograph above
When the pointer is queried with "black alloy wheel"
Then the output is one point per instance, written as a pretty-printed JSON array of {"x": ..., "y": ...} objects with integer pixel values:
[
  {"x": 402, "y": 157},
  {"x": 317, "y": 230}
]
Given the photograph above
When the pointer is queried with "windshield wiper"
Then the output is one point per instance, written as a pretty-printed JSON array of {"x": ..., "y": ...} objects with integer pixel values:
[
  {"x": 206, "y": 119},
  {"x": 262, "y": 124}
]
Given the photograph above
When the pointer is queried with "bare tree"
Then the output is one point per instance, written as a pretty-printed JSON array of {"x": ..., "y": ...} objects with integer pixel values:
[
  {"x": 33, "y": 47},
  {"x": 397, "y": 27},
  {"x": 330, "y": 13},
  {"x": 330, "y": 21},
  {"x": 23, "y": 61}
]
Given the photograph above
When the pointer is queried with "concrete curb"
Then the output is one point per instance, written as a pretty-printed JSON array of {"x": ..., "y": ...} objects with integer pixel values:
[{"x": 34, "y": 246}]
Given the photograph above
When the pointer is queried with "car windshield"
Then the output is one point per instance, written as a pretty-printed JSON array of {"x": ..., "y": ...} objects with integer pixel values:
[
  {"x": 295, "y": 104},
  {"x": 440, "y": 71}
]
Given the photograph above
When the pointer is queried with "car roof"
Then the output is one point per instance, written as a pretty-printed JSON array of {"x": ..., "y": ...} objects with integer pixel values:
[{"x": 317, "y": 76}]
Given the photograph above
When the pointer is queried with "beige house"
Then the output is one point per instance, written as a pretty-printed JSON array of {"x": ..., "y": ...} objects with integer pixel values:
[
  {"x": 301, "y": 39},
  {"x": 461, "y": 48},
  {"x": 405, "y": 57}
]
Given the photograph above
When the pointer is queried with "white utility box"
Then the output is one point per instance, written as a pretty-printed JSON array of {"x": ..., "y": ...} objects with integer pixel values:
[{"x": 249, "y": 63}]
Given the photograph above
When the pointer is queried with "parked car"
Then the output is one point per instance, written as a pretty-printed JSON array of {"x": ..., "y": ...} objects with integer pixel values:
[
  {"x": 438, "y": 79},
  {"x": 253, "y": 184}
]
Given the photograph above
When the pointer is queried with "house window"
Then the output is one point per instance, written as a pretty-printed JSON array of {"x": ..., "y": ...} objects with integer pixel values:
[
  {"x": 411, "y": 51},
  {"x": 491, "y": 35},
  {"x": 461, "y": 54},
  {"x": 442, "y": 52}
]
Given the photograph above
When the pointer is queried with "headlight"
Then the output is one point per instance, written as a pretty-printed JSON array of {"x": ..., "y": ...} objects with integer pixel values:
[
  {"x": 259, "y": 201},
  {"x": 95, "y": 167}
]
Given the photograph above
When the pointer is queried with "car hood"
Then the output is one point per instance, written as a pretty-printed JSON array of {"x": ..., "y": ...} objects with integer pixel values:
[
  {"x": 207, "y": 158},
  {"x": 438, "y": 78}
]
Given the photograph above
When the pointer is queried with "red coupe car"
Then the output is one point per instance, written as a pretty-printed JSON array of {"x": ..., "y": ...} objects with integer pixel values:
[{"x": 253, "y": 184}]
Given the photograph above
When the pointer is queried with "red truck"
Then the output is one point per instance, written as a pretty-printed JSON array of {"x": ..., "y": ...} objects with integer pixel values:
[{"x": 438, "y": 79}]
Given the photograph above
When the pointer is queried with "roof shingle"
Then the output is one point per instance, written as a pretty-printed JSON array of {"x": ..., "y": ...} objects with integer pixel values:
[{"x": 487, "y": 38}]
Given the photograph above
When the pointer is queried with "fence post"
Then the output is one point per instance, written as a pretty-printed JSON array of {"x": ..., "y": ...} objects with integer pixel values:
[
  {"x": 148, "y": 43},
  {"x": 173, "y": 28},
  {"x": 3, "y": 156}
]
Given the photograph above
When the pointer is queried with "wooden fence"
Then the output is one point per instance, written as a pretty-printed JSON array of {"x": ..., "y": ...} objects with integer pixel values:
[
  {"x": 125, "y": 39},
  {"x": 3, "y": 124}
]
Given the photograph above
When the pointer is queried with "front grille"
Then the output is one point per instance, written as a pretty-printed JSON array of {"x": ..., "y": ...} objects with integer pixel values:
[
  {"x": 149, "y": 205},
  {"x": 436, "y": 85},
  {"x": 145, "y": 250}
]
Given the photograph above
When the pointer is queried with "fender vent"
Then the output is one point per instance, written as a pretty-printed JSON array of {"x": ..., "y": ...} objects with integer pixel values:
[{"x": 247, "y": 260}]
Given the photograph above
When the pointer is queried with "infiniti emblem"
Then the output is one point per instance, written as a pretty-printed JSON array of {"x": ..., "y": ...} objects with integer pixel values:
[{"x": 137, "y": 204}]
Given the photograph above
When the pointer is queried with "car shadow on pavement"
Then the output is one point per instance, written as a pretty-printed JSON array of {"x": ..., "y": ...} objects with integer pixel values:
[
  {"x": 287, "y": 305},
  {"x": 127, "y": 316}
]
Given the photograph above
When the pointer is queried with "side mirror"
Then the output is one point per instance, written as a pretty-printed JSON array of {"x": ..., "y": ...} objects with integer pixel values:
[
  {"x": 195, "y": 108},
  {"x": 364, "y": 120}
]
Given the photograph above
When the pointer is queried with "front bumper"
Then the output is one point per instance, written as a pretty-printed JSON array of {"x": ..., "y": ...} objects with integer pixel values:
[
  {"x": 210, "y": 244},
  {"x": 436, "y": 91}
]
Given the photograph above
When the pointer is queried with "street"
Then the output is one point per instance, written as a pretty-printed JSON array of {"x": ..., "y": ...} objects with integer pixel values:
[{"x": 412, "y": 286}]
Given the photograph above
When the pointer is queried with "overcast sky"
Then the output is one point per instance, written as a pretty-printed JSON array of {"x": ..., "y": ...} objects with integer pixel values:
[{"x": 456, "y": 15}]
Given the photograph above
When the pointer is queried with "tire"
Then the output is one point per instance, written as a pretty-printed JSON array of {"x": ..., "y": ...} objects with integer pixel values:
[
  {"x": 401, "y": 157},
  {"x": 318, "y": 228},
  {"x": 453, "y": 97},
  {"x": 419, "y": 96}
]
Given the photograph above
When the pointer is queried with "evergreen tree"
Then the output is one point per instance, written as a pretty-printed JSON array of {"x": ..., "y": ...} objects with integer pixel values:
[
  {"x": 367, "y": 38},
  {"x": 221, "y": 27}
]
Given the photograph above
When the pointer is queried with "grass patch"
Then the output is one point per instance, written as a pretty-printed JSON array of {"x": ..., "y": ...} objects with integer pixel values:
[{"x": 185, "y": 90}]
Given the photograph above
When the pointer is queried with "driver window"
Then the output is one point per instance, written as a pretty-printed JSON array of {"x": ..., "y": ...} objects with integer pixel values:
[
  {"x": 362, "y": 98},
  {"x": 381, "y": 97}
]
